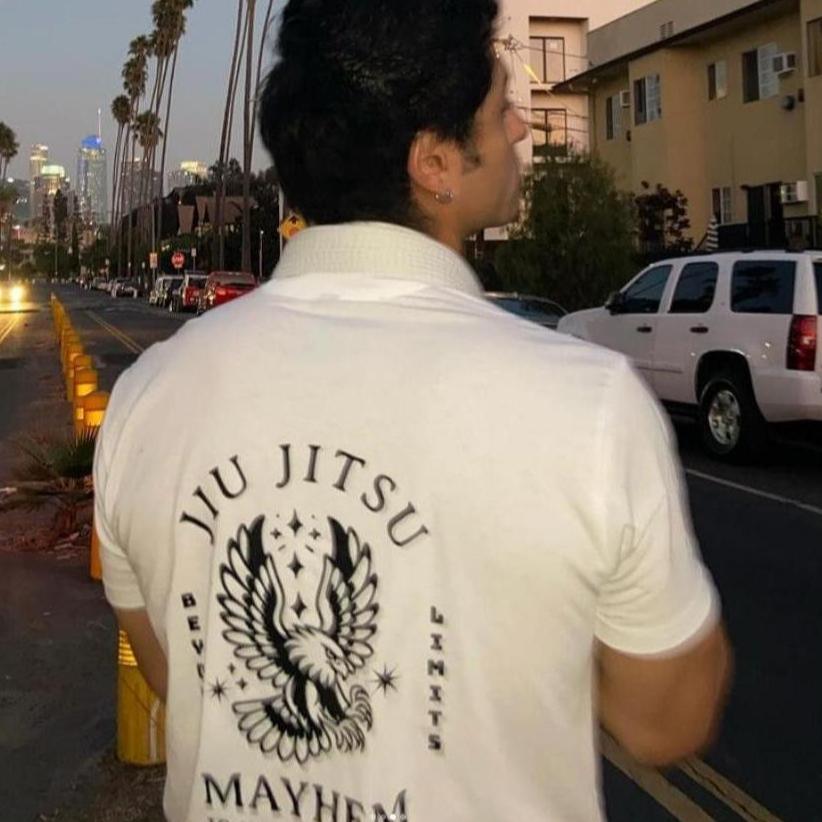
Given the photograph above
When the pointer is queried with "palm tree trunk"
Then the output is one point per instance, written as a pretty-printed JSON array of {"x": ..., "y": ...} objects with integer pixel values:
[
  {"x": 263, "y": 40},
  {"x": 165, "y": 135},
  {"x": 116, "y": 162},
  {"x": 218, "y": 249},
  {"x": 248, "y": 137},
  {"x": 131, "y": 203}
]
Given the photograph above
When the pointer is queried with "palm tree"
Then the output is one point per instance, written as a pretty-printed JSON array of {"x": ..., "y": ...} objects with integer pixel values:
[
  {"x": 248, "y": 136},
  {"x": 121, "y": 112},
  {"x": 135, "y": 77},
  {"x": 148, "y": 132},
  {"x": 218, "y": 249},
  {"x": 8, "y": 148},
  {"x": 170, "y": 23}
]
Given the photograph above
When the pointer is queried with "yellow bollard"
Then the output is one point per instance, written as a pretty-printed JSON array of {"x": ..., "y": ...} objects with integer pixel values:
[
  {"x": 85, "y": 383},
  {"x": 73, "y": 349},
  {"x": 82, "y": 361},
  {"x": 95, "y": 566},
  {"x": 94, "y": 410},
  {"x": 141, "y": 737},
  {"x": 69, "y": 338}
]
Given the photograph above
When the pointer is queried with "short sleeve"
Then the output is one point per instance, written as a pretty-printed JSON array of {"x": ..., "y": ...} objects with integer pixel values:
[
  {"x": 657, "y": 594},
  {"x": 119, "y": 580}
]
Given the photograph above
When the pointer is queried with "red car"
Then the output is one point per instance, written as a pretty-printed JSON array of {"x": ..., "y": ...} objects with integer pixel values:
[
  {"x": 187, "y": 295},
  {"x": 223, "y": 286}
]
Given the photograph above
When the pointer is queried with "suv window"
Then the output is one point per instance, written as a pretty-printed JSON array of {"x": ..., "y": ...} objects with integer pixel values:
[
  {"x": 645, "y": 295},
  {"x": 817, "y": 267},
  {"x": 763, "y": 287},
  {"x": 696, "y": 289}
]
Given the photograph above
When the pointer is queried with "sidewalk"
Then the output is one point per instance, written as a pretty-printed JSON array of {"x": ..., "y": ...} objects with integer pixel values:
[{"x": 57, "y": 634}]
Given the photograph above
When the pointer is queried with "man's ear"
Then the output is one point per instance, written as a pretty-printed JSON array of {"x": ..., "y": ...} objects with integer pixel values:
[{"x": 433, "y": 164}]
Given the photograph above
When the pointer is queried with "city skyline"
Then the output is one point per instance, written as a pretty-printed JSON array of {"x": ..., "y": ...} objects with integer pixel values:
[{"x": 55, "y": 101}]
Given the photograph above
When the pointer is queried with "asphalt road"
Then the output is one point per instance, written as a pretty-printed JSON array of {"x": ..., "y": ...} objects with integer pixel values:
[{"x": 760, "y": 528}]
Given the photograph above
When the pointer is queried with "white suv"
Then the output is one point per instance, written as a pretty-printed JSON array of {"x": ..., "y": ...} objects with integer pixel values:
[{"x": 734, "y": 336}]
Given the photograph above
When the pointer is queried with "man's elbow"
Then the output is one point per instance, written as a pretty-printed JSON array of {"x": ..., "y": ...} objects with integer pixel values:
[{"x": 663, "y": 748}]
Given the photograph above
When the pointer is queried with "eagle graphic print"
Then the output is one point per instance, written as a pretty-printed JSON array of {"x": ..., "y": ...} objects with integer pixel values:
[{"x": 305, "y": 658}]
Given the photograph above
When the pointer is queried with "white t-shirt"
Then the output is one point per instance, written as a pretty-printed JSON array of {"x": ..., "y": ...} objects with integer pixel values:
[{"x": 378, "y": 524}]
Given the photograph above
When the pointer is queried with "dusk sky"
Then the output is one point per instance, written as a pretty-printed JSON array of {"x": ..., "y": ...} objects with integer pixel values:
[{"x": 60, "y": 60}]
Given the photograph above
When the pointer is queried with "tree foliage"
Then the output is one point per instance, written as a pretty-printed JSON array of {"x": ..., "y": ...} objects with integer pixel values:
[
  {"x": 575, "y": 240},
  {"x": 662, "y": 221}
]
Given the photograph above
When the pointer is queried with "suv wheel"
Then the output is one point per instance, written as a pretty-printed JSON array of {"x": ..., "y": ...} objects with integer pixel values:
[{"x": 732, "y": 425}]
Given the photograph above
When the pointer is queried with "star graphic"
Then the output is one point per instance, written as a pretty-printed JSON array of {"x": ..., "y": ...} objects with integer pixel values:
[
  {"x": 242, "y": 684},
  {"x": 299, "y": 606},
  {"x": 385, "y": 680},
  {"x": 276, "y": 533},
  {"x": 218, "y": 690},
  {"x": 295, "y": 525},
  {"x": 296, "y": 566},
  {"x": 315, "y": 534},
  {"x": 231, "y": 668}
]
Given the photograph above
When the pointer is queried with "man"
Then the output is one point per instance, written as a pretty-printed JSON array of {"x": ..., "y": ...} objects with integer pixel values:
[{"x": 392, "y": 553}]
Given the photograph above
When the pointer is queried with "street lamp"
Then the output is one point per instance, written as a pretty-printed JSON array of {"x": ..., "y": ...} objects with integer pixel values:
[{"x": 262, "y": 234}]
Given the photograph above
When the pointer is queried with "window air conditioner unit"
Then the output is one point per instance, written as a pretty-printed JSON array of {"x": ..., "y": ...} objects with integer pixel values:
[
  {"x": 625, "y": 99},
  {"x": 784, "y": 63},
  {"x": 795, "y": 192}
]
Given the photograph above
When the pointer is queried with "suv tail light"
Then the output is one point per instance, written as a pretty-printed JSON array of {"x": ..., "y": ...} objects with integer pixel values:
[
  {"x": 802, "y": 343},
  {"x": 221, "y": 291}
]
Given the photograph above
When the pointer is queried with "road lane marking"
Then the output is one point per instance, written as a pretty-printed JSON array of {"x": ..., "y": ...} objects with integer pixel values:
[
  {"x": 131, "y": 344},
  {"x": 803, "y": 506},
  {"x": 651, "y": 781},
  {"x": 726, "y": 792},
  {"x": 8, "y": 329}
]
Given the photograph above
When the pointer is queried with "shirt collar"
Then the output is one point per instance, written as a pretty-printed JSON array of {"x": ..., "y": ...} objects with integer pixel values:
[{"x": 380, "y": 250}]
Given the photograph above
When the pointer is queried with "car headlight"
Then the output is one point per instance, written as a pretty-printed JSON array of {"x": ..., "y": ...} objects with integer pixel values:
[{"x": 17, "y": 293}]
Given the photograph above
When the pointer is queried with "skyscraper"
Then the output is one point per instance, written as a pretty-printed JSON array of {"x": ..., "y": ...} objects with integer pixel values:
[
  {"x": 91, "y": 180},
  {"x": 38, "y": 157}
]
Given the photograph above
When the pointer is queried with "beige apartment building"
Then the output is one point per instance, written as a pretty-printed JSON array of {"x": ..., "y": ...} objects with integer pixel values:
[{"x": 721, "y": 99}]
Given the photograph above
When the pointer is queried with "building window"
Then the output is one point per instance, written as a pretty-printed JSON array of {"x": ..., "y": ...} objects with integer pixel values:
[
  {"x": 550, "y": 127},
  {"x": 718, "y": 80},
  {"x": 815, "y": 47},
  {"x": 613, "y": 117},
  {"x": 759, "y": 80},
  {"x": 547, "y": 59},
  {"x": 723, "y": 205},
  {"x": 647, "y": 99}
]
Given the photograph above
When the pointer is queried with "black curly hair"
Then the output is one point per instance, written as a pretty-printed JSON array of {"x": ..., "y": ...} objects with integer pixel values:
[{"x": 355, "y": 81}]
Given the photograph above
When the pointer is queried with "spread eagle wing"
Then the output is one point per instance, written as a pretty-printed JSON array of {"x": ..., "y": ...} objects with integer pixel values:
[
  {"x": 345, "y": 599},
  {"x": 252, "y": 606}
]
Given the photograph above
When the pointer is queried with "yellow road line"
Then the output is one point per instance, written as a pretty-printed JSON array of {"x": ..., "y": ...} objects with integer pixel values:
[
  {"x": 131, "y": 344},
  {"x": 723, "y": 789},
  {"x": 651, "y": 781},
  {"x": 8, "y": 329}
]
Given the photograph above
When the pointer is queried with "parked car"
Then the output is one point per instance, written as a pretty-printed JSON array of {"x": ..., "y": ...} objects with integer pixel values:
[
  {"x": 224, "y": 286},
  {"x": 185, "y": 298},
  {"x": 116, "y": 284},
  {"x": 732, "y": 337},
  {"x": 130, "y": 288},
  {"x": 156, "y": 293},
  {"x": 536, "y": 309},
  {"x": 170, "y": 288}
]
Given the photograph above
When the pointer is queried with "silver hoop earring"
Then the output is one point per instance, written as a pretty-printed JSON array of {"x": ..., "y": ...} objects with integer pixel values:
[{"x": 444, "y": 197}]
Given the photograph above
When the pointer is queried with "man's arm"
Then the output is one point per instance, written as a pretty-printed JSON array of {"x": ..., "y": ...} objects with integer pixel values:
[
  {"x": 663, "y": 709},
  {"x": 150, "y": 656}
]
